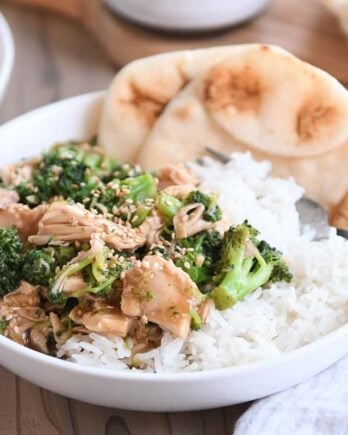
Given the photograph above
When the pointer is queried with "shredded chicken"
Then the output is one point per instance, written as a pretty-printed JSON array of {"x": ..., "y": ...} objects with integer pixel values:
[
  {"x": 24, "y": 218},
  {"x": 179, "y": 190},
  {"x": 162, "y": 293},
  {"x": 8, "y": 197},
  {"x": 205, "y": 308},
  {"x": 61, "y": 335},
  {"x": 176, "y": 174},
  {"x": 189, "y": 221},
  {"x": 151, "y": 229},
  {"x": 102, "y": 319},
  {"x": 21, "y": 310},
  {"x": 26, "y": 295},
  {"x": 38, "y": 339},
  {"x": 64, "y": 222},
  {"x": 12, "y": 175}
]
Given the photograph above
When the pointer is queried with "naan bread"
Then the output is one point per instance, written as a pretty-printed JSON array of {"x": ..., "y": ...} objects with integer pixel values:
[
  {"x": 142, "y": 89},
  {"x": 168, "y": 108}
]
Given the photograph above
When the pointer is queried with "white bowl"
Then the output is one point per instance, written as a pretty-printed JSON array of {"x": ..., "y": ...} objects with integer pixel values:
[
  {"x": 6, "y": 55},
  {"x": 187, "y": 15},
  {"x": 77, "y": 118}
]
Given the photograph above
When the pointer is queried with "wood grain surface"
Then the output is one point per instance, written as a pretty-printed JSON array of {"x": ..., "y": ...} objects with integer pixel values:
[
  {"x": 57, "y": 59},
  {"x": 304, "y": 27}
]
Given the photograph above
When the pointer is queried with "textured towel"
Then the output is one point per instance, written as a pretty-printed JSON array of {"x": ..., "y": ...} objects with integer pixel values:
[{"x": 316, "y": 407}]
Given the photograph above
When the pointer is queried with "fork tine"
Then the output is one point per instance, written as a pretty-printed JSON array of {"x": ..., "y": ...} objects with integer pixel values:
[{"x": 223, "y": 158}]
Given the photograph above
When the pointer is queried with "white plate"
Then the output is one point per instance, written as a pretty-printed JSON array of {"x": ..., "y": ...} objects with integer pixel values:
[
  {"x": 76, "y": 118},
  {"x": 6, "y": 55},
  {"x": 187, "y": 15}
]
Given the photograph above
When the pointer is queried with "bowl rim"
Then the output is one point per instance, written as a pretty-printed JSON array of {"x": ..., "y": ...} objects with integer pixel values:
[
  {"x": 7, "y": 42},
  {"x": 129, "y": 375}
]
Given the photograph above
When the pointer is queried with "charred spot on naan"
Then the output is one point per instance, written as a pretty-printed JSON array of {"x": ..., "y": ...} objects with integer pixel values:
[
  {"x": 148, "y": 102},
  {"x": 228, "y": 85},
  {"x": 314, "y": 119}
]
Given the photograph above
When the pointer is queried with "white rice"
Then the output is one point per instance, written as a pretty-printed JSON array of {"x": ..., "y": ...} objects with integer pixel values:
[{"x": 268, "y": 322}]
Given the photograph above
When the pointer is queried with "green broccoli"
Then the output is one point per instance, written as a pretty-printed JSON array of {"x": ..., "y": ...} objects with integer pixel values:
[
  {"x": 168, "y": 205},
  {"x": 243, "y": 267},
  {"x": 117, "y": 192},
  {"x": 39, "y": 265},
  {"x": 138, "y": 189},
  {"x": 196, "y": 321},
  {"x": 10, "y": 260},
  {"x": 280, "y": 271},
  {"x": 99, "y": 271},
  {"x": 201, "y": 252},
  {"x": 212, "y": 211},
  {"x": 72, "y": 171},
  {"x": 3, "y": 325}
]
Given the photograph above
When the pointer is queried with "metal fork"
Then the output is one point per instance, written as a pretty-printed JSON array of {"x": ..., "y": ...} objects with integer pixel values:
[{"x": 310, "y": 212}]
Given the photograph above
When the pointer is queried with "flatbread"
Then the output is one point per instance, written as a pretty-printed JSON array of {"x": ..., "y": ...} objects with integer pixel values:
[
  {"x": 248, "y": 97},
  {"x": 141, "y": 90}
]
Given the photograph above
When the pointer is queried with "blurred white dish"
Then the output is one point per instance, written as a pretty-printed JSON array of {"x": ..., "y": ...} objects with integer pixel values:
[
  {"x": 187, "y": 15},
  {"x": 77, "y": 118},
  {"x": 6, "y": 55},
  {"x": 340, "y": 9}
]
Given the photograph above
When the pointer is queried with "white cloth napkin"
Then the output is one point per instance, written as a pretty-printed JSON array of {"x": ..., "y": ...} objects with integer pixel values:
[{"x": 316, "y": 407}]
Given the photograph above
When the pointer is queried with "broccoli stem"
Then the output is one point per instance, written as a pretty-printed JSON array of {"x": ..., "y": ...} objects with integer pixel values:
[{"x": 168, "y": 205}]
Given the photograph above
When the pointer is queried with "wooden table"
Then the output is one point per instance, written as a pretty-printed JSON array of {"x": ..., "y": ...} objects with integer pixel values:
[{"x": 56, "y": 59}]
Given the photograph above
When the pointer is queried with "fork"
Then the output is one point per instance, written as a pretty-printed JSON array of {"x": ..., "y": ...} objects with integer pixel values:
[{"x": 310, "y": 212}]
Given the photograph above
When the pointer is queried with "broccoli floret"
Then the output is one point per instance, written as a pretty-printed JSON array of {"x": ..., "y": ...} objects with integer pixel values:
[
  {"x": 72, "y": 171},
  {"x": 117, "y": 192},
  {"x": 39, "y": 265},
  {"x": 201, "y": 252},
  {"x": 99, "y": 271},
  {"x": 212, "y": 211},
  {"x": 242, "y": 267},
  {"x": 280, "y": 271},
  {"x": 10, "y": 260}
]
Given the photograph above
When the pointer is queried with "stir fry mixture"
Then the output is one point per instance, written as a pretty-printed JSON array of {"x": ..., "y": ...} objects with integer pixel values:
[{"x": 88, "y": 245}]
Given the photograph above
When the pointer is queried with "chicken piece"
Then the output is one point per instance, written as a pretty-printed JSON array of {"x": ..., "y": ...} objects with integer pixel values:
[
  {"x": 151, "y": 229},
  {"x": 102, "y": 318},
  {"x": 179, "y": 190},
  {"x": 24, "y": 218},
  {"x": 162, "y": 293},
  {"x": 64, "y": 222},
  {"x": 189, "y": 221},
  {"x": 204, "y": 309},
  {"x": 37, "y": 339},
  {"x": 12, "y": 175},
  {"x": 61, "y": 335},
  {"x": 73, "y": 284},
  {"x": 339, "y": 216},
  {"x": 8, "y": 197},
  {"x": 20, "y": 321},
  {"x": 176, "y": 174},
  {"x": 26, "y": 295},
  {"x": 145, "y": 337}
]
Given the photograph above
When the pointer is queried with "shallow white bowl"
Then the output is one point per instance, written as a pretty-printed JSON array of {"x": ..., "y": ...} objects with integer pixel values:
[
  {"x": 187, "y": 15},
  {"x": 6, "y": 55},
  {"x": 77, "y": 118}
]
